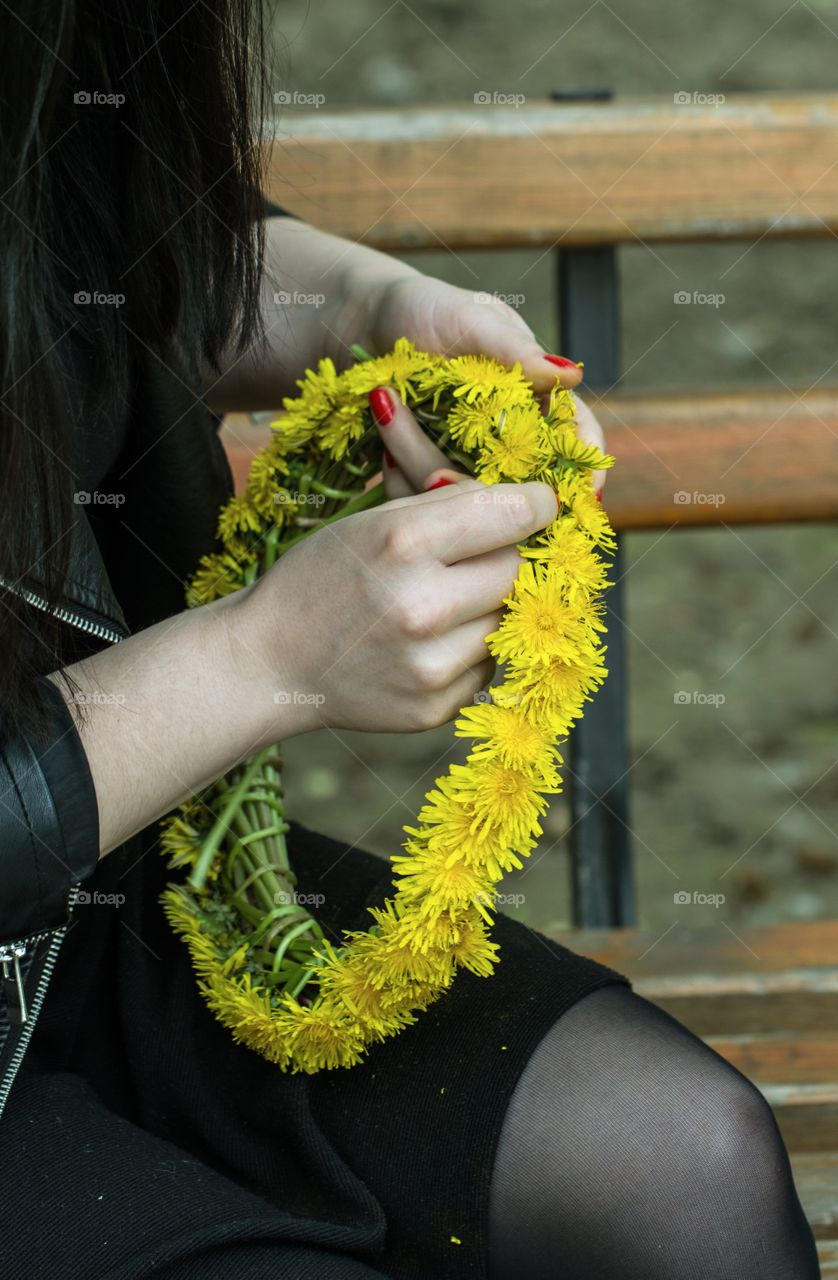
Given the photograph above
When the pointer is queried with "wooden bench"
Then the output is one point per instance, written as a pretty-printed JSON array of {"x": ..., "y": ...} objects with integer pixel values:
[{"x": 577, "y": 179}]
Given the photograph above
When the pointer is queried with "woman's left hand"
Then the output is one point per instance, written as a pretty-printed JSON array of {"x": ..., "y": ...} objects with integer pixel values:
[{"x": 441, "y": 317}]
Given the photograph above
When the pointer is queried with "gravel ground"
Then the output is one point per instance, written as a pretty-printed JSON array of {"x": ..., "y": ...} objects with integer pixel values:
[{"x": 740, "y": 799}]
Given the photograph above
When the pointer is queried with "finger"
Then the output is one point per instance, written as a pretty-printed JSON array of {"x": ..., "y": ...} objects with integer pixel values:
[
  {"x": 415, "y": 454},
  {"x": 480, "y": 585},
  {"x": 464, "y": 520},
  {"x": 496, "y": 329},
  {"x": 463, "y": 648},
  {"x": 591, "y": 431},
  {"x": 464, "y": 690},
  {"x": 396, "y": 484}
]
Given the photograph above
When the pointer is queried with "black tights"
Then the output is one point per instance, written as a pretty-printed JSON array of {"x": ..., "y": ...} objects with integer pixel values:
[{"x": 631, "y": 1150}]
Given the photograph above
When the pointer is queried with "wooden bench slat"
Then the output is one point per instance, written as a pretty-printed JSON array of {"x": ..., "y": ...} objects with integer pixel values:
[
  {"x": 772, "y": 457},
  {"x": 465, "y": 176},
  {"x": 816, "y": 1178},
  {"x": 746, "y": 457}
]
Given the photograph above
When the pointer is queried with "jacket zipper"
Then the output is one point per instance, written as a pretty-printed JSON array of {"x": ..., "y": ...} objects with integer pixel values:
[
  {"x": 74, "y": 619},
  {"x": 11, "y": 953}
]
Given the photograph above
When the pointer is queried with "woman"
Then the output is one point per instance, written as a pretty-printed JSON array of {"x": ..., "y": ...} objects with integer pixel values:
[{"x": 548, "y": 1122}]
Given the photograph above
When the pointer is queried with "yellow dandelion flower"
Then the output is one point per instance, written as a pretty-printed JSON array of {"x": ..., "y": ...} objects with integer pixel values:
[
  {"x": 518, "y": 450},
  {"x": 572, "y": 561},
  {"x": 509, "y": 735},
  {"x": 470, "y": 424},
  {"x": 540, "y": 623},
  {"x": 238, "y": 516},
  {"x": 441, "y": 880},
  {"x": 577, "y": 496},
  {"x": 577, "y": 454},
  {"x": 506, "y": 798},
  {"x": 474, "y": 950},
  {"x": 218, "y": 575},
  {"x": 323, "y": 1034},
  {"x": 343, "y": 425},
  {"x": 399, "y": 368},
  {"x": 474, "y": 376}
]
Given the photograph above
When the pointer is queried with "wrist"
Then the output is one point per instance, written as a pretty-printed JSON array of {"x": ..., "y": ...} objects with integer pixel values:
[
  {"x": 368, "y": 282},
  {"x": 269, "y": 678}
]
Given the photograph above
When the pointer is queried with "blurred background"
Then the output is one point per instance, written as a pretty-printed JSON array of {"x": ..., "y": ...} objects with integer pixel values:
[{"x": 739, "y": 797}]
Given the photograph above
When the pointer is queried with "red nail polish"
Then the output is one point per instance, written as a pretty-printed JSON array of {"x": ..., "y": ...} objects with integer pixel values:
[
  {"x": 561, "y": 363},
  {"x": 389, "y": 460},
  {"x": 381, "y": 406},
  {"x": 598, "y": 495},
  {"x": 438, "y": 484}
]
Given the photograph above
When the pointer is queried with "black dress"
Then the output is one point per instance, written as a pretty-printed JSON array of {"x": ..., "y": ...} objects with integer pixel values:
[{"x": 140, "y": 1141}]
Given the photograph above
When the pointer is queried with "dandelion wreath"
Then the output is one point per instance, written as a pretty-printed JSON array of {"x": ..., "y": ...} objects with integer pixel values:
[{"x": 264, "y": 965}]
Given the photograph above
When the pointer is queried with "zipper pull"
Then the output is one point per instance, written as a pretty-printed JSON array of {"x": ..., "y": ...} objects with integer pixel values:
[{"x": 10, "y": 958}]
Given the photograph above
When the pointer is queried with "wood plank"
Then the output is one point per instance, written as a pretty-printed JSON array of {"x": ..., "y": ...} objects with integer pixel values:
[
  {"x": 746, "y": 457},
  {"x": 816, "y": 1178},
  {"x": 828, "y": 1256},
  {"x": 685, "y": 952},
  {"x": 541, "y": 173},
  {"x": 749, "y": 457},
  {"x": 781, "y": 1059}
]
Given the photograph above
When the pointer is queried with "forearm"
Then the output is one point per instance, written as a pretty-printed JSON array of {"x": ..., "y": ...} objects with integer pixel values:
[
  {"x": 316, "y": 295},
  {"x": 167, "y": 711}
]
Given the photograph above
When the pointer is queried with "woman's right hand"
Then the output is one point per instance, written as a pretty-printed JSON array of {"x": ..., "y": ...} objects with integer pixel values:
[{"x": 378, "y": 621}]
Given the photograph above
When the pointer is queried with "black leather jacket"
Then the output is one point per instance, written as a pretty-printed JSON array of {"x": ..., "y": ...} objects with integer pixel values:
[{"x": 174, "y": 476}]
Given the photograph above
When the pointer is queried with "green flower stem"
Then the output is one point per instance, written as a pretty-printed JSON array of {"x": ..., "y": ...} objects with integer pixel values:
[
  {"x": 338, "y": 495},
  {"x": 289, "y": 938},
  {"x": 371, "y": 497},
  {"x": 215, "y": 835}
]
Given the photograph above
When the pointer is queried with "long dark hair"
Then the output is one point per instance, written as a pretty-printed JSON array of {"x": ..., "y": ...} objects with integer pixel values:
[{"x": 128, "y": 165}]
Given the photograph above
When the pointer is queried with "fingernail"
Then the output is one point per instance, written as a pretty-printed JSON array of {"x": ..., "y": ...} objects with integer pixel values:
[
  {"x": 598, "y": 495},
  {"x": 381, "y": 406},
  {"x": 561, "y": 363},
  {"x": 438, "y": 484},
  {"x": 389, "y": 460}
]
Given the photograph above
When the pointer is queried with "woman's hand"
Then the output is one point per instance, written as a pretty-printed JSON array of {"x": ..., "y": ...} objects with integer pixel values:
[
  {"x": 378, "y": 621},
  {"x": 443, "y": 318}
]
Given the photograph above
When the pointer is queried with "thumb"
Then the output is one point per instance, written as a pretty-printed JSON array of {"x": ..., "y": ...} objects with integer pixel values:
[{"x": 497, "y": 330}]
